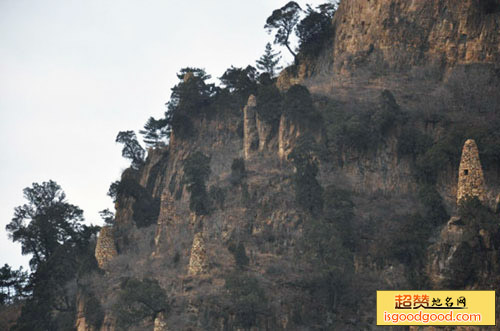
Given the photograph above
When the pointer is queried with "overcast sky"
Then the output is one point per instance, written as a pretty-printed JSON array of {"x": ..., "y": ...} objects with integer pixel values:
[{"x": 74, "y": 73}]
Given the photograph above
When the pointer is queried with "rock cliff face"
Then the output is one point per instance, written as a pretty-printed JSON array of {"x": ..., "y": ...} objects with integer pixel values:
[
  {"x": 409, "y": 47},
  {"x": 404, "y": 46},
  {"x": 401, "y": 34},
  {"x": 434, "y": 56},
  {"x": 289, "y": 131},
  {"x": 257, "y": 134}
]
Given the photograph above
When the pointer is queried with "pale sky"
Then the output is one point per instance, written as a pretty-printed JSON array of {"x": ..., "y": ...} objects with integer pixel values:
[{"x": 74, "y": 73}]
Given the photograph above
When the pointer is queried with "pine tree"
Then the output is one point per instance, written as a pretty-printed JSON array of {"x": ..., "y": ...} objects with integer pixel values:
[
  {"x": 155, "y": 132},
  {"x": 131, "y": 148},
  {"x": 284, "y": 20},
  {"x": 269, "y": 61}
]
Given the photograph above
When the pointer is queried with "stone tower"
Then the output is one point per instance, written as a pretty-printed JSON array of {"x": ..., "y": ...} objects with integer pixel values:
[
  {"x": 198, "y": 260},
  {"x": 470, "y": 173},
  {"x": 105, "y": 248}
]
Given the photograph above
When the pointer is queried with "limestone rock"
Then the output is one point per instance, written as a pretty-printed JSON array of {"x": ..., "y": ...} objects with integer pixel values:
[
  {"x": 250, "y": 134},
  {"x": 105, "y": 249},
  {"x": 470, "y": 173},
  {"x": 291, "y": 76},
  {"x": 198, "y": 260}
]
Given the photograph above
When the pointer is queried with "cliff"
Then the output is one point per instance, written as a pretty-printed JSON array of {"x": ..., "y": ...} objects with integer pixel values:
[
  {"x": 412, "y": 48},
  {"x": 327, "y": 201}
]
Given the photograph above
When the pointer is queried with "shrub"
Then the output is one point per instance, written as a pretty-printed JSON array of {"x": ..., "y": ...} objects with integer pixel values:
[
  {"x": 409, "y": 241},
  {"x": 477, "y": 216},
  {"x": 490, "y": 6},
  {"x": 176, "y": 258},
  {"x": 413, "y": 142},
  {"x": 445, "y": 151},
  {"x": 331, "y": 260},
  {"x": 240, "y": 255},
  {"x": 409, "y": 245},
  {"x": 363, "y": 129},
  {"x": 435, "y": 212},
  {"x": 269, "y": 104},
  {"x": 245, "y": 194},
  {"x": 182, "y": 125},
  {"x": 238, "y": 171},
  {"x": 93, "y": 311},
  {"x": 190, "y": 99},
  {"x": 145, "y": 208},
  {"x": 196, "y": 173},
  {"x": 349, "y": 129},
  {"x": 248, "y": 298},
  {"x": 387, "y": 114},
  {"x": 469, "y": 262},
  {"x": 240, "y": 82},
  {"x": 218, "y": 195},
  {"x": 138, "y": 300},
  {"x": 315, "y": 29},
  {"x": 308, "y": 191},
  {"x": 297, "y": 101},
  {"x": 339, "y": 210}
]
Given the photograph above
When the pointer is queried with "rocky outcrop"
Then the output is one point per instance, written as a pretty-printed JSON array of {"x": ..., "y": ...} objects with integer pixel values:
[
  {"x": 404, "y": 46},
  {"x": 151, "y": 175},
  {"x": 398, "y": 34},
  {"x": 257, "y": 133},
  {"x": 293, "y": 75},
  {"x": 288, "y": 132},
  {"x": 264, "y": 132},
  {"x": 470, "y": 173},
  {"x": 250, "y": 134},
  {"x": 198, "y": 260},
  {"x": 166, "y": 218},
  {"x": 463, "y": 257},
  {"x": 109, "y": 323},
  {"x": 449, "y": 254},
  {"x": 105, "y": 249},
  {"x": 81, "y": 323}
]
